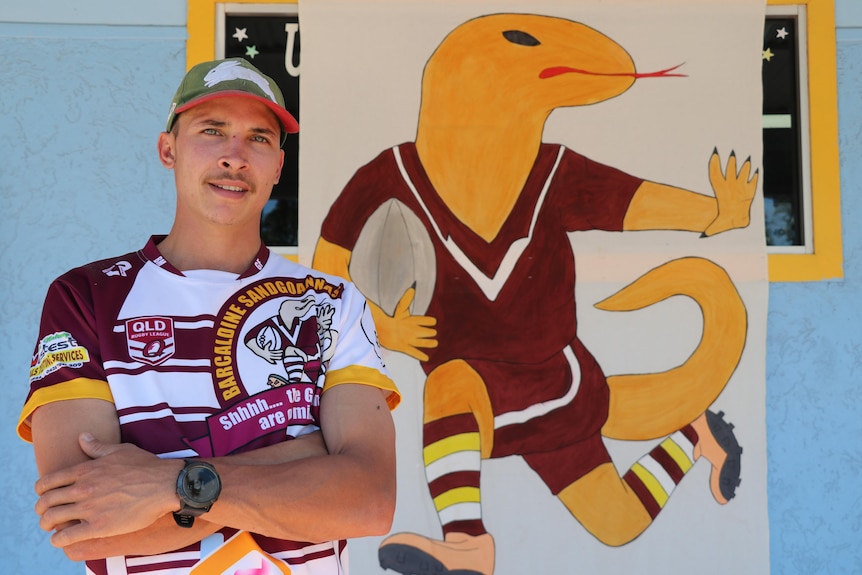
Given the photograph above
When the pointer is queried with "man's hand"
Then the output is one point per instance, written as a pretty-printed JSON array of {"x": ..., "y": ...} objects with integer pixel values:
[
  {"x": 403, "y": 331},
  {"x": 734, "y": 192},
  {"x": 121, "y": 490},
  {"x": 163, "y": 535}
]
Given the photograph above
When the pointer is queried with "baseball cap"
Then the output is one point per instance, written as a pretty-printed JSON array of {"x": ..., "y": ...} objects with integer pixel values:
[{"x": 230, "y": 77}]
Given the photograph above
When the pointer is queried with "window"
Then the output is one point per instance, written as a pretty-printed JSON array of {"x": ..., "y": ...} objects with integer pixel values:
[
  {"x": 787, "y": 204},
  {"x": 266, "y": 33},
  {"x": 270, "y": 41},
  {"x": 800, "y": 122},
  {"x": 800, "y": 141}
]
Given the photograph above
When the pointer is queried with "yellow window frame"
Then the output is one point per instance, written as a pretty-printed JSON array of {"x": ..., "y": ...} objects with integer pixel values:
[
  {"x": 826, "y": 260},
  {"x": 201, "y": 27}
]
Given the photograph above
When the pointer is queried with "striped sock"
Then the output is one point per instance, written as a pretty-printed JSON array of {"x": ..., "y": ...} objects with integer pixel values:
[
  {"x": 453, "y": 463},
  {"x": 655, "y": 475}
]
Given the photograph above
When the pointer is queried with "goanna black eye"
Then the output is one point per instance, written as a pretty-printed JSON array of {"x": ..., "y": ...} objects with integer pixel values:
[{"x": 521, "y": 38}]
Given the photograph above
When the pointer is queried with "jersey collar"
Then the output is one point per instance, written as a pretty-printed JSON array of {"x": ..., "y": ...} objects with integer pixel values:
[{"x": 151, "y": 252}]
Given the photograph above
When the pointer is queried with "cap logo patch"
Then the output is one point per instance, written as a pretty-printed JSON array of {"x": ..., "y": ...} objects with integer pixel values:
[{"x": 232, "y": 70}]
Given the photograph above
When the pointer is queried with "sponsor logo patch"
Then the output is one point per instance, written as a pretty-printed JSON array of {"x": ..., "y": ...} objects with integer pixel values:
[
  {"x": 56, "y": 351},
  {"x": 118, "y": 269},
  {"x": 150, "y": 339}
]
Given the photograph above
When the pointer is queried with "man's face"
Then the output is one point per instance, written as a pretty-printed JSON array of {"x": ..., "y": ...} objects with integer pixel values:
[{"x": 226, "y": 158}]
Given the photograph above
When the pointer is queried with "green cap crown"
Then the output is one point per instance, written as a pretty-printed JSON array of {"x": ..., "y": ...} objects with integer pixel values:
[{"x": 230, "y": 77}]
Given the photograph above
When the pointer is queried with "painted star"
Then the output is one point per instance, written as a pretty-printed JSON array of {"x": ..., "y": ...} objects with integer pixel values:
[
  {"x": 240, "y": 34},
  {"x": 781, "y": 33},
  {"x": 767, "y": 54},
  {"x": 251, "y": 51}
]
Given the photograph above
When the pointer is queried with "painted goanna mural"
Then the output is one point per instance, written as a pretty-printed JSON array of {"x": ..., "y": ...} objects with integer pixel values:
[{"x": 460, "y": 240}]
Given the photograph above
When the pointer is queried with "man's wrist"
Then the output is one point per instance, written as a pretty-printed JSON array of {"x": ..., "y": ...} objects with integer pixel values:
[
  {"x": 176, "y": 467},
  {"x": 198, "y": 488}
]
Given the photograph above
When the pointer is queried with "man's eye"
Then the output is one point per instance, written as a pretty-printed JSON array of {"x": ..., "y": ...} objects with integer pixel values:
[
  {"x": 211, "y": 131},
  {"x": 262, "y": 139}
]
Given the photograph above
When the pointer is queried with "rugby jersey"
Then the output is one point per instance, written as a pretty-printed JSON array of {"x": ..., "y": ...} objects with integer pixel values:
[{"x": 207, "y": 363}]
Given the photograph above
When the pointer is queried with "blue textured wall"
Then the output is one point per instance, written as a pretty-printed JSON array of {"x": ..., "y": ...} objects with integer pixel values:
[
  {"x": 814, "y": 371},
  {"x": 80, "y": 110}
]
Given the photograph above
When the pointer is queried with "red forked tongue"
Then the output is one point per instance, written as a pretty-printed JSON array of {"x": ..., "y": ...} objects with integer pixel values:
[{"x": 558, "y": 70}]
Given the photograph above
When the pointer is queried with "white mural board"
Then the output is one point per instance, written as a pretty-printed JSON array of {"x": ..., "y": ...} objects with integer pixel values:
[{"x": 362, "y": 66}]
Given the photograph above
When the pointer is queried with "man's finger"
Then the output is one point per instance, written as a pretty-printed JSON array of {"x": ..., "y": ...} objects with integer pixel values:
[
  {"x": 56, "y": 515},
  {"x": 95, "y": 448},
  {"x": 73, "y": 534},
  {"x": 54, "y": 480}
]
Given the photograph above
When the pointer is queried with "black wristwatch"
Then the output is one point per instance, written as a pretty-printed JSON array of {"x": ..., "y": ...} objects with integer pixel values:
[{"x": 198, "y": 487}]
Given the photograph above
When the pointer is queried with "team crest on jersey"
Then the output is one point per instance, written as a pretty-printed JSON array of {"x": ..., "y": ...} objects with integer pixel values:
[
  {"x": 272, "y": 346},
  {"x": 55, "y": 351},
  {"x": 150, "y": 339},
  {"x": 282, "y": 323}
]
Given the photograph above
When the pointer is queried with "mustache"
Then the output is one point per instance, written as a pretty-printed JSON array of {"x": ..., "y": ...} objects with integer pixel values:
[{"x": 226, "y": 175}]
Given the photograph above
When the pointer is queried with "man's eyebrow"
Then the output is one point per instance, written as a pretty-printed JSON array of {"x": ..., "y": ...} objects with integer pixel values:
[
  {"x": 212, "y": 122},
  {"x": 265, "y": 131}
]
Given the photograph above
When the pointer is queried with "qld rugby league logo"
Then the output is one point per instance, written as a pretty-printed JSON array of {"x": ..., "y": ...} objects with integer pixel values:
[{"x": 150, "y": 339}]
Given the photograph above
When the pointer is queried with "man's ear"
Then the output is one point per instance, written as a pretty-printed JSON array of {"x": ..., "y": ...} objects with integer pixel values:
[{"x": 167, "y": 149}]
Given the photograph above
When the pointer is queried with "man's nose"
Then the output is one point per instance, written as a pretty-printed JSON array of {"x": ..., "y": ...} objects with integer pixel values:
[{"x": 235, "y": 156}]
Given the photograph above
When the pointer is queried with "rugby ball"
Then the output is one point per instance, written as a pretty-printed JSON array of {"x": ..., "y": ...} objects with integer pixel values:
[
  {"x": 269, "y": 338},
  {"x": 394, "y": 252}
]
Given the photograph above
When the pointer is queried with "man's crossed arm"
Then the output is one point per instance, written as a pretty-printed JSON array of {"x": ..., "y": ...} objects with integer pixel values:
[{"x": 102, "y": 498}]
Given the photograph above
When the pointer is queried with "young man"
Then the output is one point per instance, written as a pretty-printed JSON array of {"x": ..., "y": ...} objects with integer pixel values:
[{"x": 167, "y": 383}]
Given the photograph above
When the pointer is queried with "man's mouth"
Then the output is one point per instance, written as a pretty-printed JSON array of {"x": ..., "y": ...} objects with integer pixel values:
[{"x": 229, "y": 188}]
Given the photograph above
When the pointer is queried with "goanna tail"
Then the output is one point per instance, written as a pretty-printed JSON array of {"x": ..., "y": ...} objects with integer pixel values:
[{"x": 653, "y": 405}]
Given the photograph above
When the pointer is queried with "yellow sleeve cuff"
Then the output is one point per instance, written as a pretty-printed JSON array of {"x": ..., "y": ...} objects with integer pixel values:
[
  {"x": 80, "y": 388},
  {"x": 364, "y": 376}
]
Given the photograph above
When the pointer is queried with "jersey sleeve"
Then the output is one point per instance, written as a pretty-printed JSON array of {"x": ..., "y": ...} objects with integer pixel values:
[
  {"x": 594, "y": 196},
  {"x": 357, "y": 357},
  {"x": 66, "y": 361}
]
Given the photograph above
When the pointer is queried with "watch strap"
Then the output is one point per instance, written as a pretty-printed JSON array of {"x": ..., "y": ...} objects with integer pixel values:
[{"x": 184, "y": 521}]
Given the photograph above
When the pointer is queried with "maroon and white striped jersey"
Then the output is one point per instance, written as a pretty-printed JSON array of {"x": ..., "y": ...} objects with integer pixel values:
[{"x": 207, "y": 363}]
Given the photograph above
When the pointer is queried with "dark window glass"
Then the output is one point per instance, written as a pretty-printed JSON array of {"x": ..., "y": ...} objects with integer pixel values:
[
  {"x": 263, "y": 41},
  {"x": 782, "y": 168}
]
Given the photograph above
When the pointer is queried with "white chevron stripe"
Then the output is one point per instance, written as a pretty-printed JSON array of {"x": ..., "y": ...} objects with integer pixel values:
[{"x": 490, "y": 286}]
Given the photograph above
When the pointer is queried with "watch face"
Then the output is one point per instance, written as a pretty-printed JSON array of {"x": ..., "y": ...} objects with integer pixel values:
[{"x": 201, "y": 484}]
